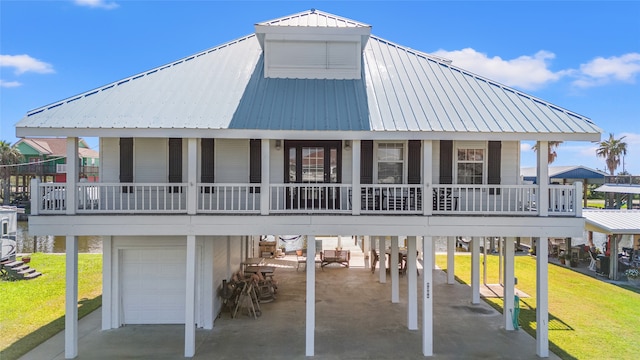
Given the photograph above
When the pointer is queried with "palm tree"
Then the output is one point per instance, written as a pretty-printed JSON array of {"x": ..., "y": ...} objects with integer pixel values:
[
  {"x": 553, "y": 145},
  {"x": 611, "y": 150},
  {"x": 8, "y": 156}
]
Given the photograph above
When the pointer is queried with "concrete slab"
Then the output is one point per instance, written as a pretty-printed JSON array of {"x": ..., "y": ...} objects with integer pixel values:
[
  {"x": 355, "y": 319},
  {"x": 497, "y": 291}
]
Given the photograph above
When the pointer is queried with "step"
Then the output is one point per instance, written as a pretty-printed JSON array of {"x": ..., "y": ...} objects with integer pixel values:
[
  {"x": 13, "y": 264},
  {"x": 32, "y": 275},
  {"x": 26, "y": 271},
  {"x": 7, "y": 261},
  {"x": 19, "y": 268}
]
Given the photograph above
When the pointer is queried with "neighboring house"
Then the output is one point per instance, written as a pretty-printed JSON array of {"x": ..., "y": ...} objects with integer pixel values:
[
  {"x": 47, "y": 159},
  {"x": 310, "y": 126},
  {"x": 568, "y": 175}
]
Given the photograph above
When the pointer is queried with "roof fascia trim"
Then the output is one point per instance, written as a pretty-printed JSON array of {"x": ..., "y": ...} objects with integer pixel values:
[{"x": 23, "y": 132}]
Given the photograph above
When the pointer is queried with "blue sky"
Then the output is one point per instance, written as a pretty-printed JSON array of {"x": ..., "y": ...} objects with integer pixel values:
[{"x": 583, "y": 56}]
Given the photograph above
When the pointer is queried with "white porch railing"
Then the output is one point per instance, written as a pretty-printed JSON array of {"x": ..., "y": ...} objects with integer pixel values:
[
  {"x": 310, "y": 198},
  {"x": 51, "y": 198},
  {"x": 563, "y": 200},
  {"x": 391, "y": 199},
  {"x": 225, "y": 198},
  {"x": 482, "y": 199},
  {"x": 132, "y": 198},
  {"x": 501, "y": 199}
]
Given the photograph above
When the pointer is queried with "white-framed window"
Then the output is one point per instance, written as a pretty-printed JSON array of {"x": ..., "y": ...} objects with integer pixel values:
[
  {"x": 390, "y": 163},
  {"x": 470, "y": 163}
]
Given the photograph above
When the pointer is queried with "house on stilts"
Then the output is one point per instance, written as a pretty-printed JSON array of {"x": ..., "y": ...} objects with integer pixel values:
[{"x": 312, "y": 126}]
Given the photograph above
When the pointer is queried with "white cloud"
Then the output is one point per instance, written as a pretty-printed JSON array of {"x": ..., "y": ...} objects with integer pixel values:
[
  {"x": 524, "y": 146},
  {"x": 25, "y": 63},
  {"x": 9, "y": 84},
  {"x": 602, "y": 71},
  {"x": 526, "y": 72},
  {"x": 102, "y": 4}
]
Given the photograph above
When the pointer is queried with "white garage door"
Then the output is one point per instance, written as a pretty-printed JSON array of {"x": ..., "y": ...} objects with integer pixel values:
[{"x": 153, "y": 285}]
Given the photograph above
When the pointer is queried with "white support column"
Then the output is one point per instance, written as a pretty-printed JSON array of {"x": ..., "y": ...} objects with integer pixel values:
[
  {"x": 383, "y": 259},
  {"x": 355, "y": 180},
  {"x": 509, "y": 284},
  {"x": 543, "y": 178},
  {"x": 451, "y": 267},
  {"x": 578, "y": 200},
  {"x": 311, "y": 297},
  {"x": 475, "y": 270},
  {"x": 433, "y": 254},
  {"x": 72, "y": 175},
  {"x": 372, "y": 240},
  {"x": 192, "y": 176},
  {"x": 395, "y": 280},
  {"x": 613, "y": 263},
  {"x": 264, "y": 185},
  {"x": 190, "y": 300},
  {"x": 427, "y": 177},
  {"x": 484, "y": 260},
  {"x": 500, "y": 257},
  {"x": 107, "y": 307},
  {"x": 366, "y": 249},
  {"x": 412, "y": 284},
  {"x": 36, "y": 201},
  {"x": 71, "y": 299},
  {"x": 427, "y": 301},
  {"x": 542, "y": 298},
  {"x": 229, "y": 271}
]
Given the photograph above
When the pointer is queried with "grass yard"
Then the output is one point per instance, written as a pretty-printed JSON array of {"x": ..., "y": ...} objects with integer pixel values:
[
  {"x": 595, "y": 203},
  {"x": 588, "y": 318},
  {"x": 31, "y": 311}
]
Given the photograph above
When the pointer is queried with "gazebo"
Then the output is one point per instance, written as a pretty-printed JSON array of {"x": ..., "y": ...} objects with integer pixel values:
[{"x": 614, "y": 223}]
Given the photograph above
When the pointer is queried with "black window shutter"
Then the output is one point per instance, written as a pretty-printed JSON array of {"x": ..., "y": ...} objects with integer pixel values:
[
  {"x": 175, "y": 160},
  {"x": 207, "y": 159},
  {"x": 255, "y": 161},
  {"x": 366, "y": 162},
  {"x": 413, "y": 162},
  {"x": 493, "y": 164},
  {"x": 126, "y": 160},
  {"x": 446, "y": 161}
]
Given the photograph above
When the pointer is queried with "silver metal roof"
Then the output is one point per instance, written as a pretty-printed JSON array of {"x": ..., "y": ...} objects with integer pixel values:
[
  {"x": 619, "y": 188},
  {"x": 613, "y": 221},
  {"x": 403, "y": 94}
]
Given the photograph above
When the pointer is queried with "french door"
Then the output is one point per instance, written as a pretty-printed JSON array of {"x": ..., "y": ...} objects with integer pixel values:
[{"x": 312, "y": 163}]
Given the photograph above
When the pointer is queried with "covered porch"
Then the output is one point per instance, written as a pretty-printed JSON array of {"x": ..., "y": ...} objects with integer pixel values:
[{"x": 347, "y": 326}]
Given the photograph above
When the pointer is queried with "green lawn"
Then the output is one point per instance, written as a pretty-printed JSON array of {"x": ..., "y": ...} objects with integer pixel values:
[
  {"x": 595, "y": 203},
  {"x": 31, "y": 311},
  {"x": 588, "y": 318}
]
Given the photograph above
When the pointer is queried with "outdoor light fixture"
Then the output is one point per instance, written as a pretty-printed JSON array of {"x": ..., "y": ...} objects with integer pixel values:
[
  {"x": 278, "y": 144},
  {"x": 347, "y": 144}
]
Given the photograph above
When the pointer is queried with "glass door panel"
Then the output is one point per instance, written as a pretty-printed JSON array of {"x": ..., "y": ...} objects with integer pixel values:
[{"x": 313, "y": 162}]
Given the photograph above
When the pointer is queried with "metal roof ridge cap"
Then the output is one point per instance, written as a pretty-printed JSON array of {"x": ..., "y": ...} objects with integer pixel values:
[{"x": 314, "y": 11}]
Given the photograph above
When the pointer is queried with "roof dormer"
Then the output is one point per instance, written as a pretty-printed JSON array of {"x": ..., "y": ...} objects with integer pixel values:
[{"x": 312, "y": 45}]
